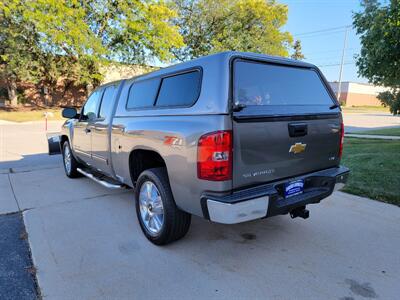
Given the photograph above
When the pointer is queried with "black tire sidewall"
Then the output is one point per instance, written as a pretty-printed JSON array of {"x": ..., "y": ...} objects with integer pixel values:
[
  {"x": 74, "y": 164},
  {"x": 176, "y": 222},
  {"x": 152, "y": 177}
]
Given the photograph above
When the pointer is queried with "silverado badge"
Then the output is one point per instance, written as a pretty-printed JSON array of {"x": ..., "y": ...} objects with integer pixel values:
[{"x": 297, "y": 148}]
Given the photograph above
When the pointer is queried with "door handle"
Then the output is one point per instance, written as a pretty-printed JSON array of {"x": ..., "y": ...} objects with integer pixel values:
[
  {"x": 297, "y": 129},
  {"x": 87, "y": 130}
]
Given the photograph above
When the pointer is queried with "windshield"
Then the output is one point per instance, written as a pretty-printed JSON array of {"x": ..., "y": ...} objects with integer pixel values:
[{"x": 269, "y": 84}]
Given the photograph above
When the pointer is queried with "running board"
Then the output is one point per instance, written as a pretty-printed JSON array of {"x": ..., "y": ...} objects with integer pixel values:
[{"x": 100, "y": 180}]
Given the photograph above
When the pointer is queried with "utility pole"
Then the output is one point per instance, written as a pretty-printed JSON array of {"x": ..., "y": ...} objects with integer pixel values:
[{"x": 341, "y": 64}]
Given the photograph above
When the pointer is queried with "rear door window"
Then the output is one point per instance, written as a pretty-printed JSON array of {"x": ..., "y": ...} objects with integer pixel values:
[
  {"x": 107, "y": 102},
  {"x": 263, "y": 84},
  {"x": 180, "y": 90},
  {"x": 143, "y": 93}
]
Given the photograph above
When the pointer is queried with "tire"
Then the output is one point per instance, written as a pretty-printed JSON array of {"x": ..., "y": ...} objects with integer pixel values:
[
  {"x": 71, "y": 169},
  {"x": 174, "y": 222}
]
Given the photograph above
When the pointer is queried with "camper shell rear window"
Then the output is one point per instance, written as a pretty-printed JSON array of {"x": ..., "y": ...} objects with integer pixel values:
[{"x": 267, "y": 84}]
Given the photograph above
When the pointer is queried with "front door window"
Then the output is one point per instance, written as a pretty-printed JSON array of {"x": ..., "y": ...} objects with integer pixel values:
[{"x": 89, "y": 110}]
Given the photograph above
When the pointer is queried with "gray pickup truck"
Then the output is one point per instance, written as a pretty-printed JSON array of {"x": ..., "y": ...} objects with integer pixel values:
[{"x": 230, "y": 137}]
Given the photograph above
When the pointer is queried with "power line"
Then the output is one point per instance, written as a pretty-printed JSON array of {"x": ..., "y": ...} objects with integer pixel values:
[
  {"x": 328, "y": 51},
  {"x": 320, "y": 34},
  {"x": 330, "y": 58},
  {"x": 322, "y": 30},
  {"x": 336, "y": 64}
]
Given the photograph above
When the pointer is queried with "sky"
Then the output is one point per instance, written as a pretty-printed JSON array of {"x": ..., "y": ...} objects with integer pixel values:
[{"x": 324, "y": 49}]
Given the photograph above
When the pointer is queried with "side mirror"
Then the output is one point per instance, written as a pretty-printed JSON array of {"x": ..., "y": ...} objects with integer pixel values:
[{"x": 69, "y": 113}]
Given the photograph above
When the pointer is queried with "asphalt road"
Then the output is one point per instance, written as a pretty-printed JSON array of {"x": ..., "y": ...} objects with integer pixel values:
[
  {"x": 16, "y": 279},
  {"x": 355, "y": 122},
  {"x": 86, "y": 242}
]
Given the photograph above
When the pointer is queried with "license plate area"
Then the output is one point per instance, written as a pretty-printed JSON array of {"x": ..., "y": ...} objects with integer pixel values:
[{"x": 293, "y": 188}]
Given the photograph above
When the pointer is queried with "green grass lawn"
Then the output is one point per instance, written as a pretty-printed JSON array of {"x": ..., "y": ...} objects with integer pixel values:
[
  {"x": 386, "y": 131},
  {"x": 374, "y": 167},
  {"x": 364, "y": 109},
  {"x": 25, "y": 115}
]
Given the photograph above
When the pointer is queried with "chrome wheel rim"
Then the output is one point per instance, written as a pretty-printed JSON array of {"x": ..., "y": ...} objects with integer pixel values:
[
  {"x": 151, "y": 208},
  {"x": 67, "y": 159}
]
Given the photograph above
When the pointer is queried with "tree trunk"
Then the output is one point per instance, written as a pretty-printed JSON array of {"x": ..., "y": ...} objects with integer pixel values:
[
  {"x": 89, "y": 89},
  {"x": 12, "y": 91},
  {"x": 50, "y": 95},
  {"x": 47, "y": 92}
]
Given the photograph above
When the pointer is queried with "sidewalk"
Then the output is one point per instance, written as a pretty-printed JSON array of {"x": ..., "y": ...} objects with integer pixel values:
[{"x": 4, "y": 122}]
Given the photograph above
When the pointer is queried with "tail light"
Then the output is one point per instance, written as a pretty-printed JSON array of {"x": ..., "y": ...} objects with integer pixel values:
[
  {"x": 341, "y": 140},
  {"x": 214, "y": 156}
]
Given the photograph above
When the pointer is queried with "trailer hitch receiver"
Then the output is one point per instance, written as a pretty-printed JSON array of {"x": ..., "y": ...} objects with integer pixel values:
[{"x": 300, "y": 212}]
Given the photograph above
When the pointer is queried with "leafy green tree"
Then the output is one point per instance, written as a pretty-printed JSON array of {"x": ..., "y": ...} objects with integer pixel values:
[
  {"x": 297, "y": 54},
  {"x": 18, "y": 48},
  {"x": 379, "y": 60},
  {"x": 69, "y": 48},
  {"x": 42, "y": 41},
  {"x": 209, "y": 26},
  {"x": 71, "y": 38},
  {"x": 134, "y": 31}
]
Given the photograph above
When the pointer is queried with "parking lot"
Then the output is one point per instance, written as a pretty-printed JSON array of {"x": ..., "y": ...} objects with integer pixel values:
[{"x": 86, "y": 242}]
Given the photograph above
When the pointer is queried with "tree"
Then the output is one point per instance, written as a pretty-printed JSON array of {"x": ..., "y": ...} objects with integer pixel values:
[
  {"x": 18, "y": 48},
  {"x": 68, "y": 47},
  {"x": 379, "y": 60},
  {"x": 297, "y": 54},
  {"x": 72, "y": 38},
  {"x": 134, "y": 31},
  {"x": 42, "y": 41},
  {"x": 209, "y": 26}
]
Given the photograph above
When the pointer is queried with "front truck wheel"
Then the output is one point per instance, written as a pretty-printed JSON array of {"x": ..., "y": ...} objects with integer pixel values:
[
  {"x": 161, "y": 221},
  {"x": 70, "y": 163}
]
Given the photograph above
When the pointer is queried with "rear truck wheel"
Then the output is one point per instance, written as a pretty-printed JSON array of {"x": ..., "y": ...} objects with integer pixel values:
[
  {"x": 69, "y": 162},
  {"x": 162, "y": 222}
]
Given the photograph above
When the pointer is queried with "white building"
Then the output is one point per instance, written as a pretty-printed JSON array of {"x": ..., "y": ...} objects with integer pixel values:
[{"x": 358, "y": 94}]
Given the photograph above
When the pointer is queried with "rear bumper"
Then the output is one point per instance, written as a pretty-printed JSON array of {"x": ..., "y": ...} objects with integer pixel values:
[{"x": 268, "y": 200}]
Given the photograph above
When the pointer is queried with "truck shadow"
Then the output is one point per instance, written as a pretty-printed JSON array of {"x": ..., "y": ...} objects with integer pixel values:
[{"x": 27, "y": 161}]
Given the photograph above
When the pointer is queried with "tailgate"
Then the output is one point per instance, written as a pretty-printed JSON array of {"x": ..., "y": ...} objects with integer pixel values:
[
  {"x": 261, "y": 149},
  {"x": 285, "y": 125}
]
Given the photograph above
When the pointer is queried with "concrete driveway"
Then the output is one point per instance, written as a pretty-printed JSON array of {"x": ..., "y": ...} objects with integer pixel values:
[{"x": 86, "y": 244}]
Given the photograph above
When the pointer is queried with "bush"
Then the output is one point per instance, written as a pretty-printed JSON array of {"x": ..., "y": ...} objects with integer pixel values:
[
  {"x": 21, "y": 96},
  {"x": 392, "y": 100},
  {"x": 3, "y": 93}
]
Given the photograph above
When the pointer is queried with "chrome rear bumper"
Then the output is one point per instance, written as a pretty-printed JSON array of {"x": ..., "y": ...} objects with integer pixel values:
[
  {"x": 267, "y": 200},
  {"x": 228, "y": 213}
]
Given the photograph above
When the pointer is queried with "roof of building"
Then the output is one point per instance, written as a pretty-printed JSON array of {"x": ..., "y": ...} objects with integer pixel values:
[{"x": 358, "y": 88}]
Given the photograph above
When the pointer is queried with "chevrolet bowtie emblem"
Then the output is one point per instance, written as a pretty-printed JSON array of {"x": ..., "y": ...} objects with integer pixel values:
[{"x": 297, "y": 148}]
